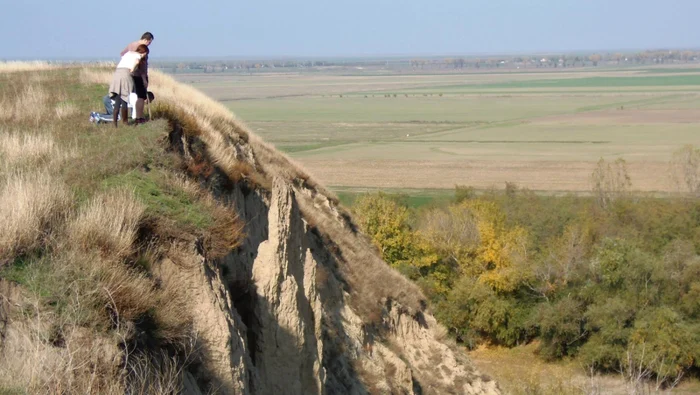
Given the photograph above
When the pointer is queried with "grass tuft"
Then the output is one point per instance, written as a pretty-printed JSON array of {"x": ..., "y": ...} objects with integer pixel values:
[
  {"x": 32, "y": 205},
  {"x": 108, "y": 223}
]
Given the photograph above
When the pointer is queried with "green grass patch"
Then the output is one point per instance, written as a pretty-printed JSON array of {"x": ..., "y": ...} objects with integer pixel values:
[
  {"x": 162, "y": 198},
  {"x": 32, "y": 272},
  {"x": 587, "y": 82},
  {"x": 12, "y": 391},
  {"x": 106, "y": 152}
]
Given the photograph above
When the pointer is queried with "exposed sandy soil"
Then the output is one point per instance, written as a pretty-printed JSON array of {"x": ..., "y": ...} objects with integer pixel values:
[{"x": 535, "y": 175}]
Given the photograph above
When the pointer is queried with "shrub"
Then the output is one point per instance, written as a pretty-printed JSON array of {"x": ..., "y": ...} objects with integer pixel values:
[
  {"x": 561, "y": 327},
  {"x": 664, "y": 344}
]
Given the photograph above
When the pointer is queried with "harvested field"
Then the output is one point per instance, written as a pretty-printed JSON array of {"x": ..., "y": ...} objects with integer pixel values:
[
  {"x": 551, "y": 176},
  {"x": 542, "y": 129}
]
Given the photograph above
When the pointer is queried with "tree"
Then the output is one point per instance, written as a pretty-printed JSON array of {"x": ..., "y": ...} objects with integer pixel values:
[
  {"x": 561, "y": 261},
  {"x": 685, "y": 169},
  {"x": 664, "y": 345},
  {"x": 610, "y": 181},
  {"x": 595, "y": 58},
  {"x": 453, "y": 232},
  {"x": 386, "y": 223}
]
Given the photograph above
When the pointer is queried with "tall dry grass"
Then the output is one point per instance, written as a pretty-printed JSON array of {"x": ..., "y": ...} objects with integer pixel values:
[
  {"x": 230, "y": 143},
  {"x": 32, "y": 206},
  {"x": 108, "y": 223},
  {"x": 191, "y": 100},
  {"x": 43, "y": 351},
  {"x": 129, "y": 294},
  {"x": 27, "y": 151},
  {"x": 97, "y": 75},
  {"x": 65, "y": 110},
  {"x": 31, "y": 104},
  {"x": 13, "y": 66},
  {"x": 93, "y": 288},
  {"x": 148, "y": 374}
]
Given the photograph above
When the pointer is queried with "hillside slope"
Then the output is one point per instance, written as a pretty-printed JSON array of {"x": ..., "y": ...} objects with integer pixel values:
[{"x": 189, "y": 256}]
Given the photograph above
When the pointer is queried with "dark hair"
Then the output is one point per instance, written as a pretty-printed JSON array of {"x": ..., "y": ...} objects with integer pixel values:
[
  {"x": 143, "y": 48},
  {"x": 151, "y": 97},
  {"x": 147, "y": 36}
]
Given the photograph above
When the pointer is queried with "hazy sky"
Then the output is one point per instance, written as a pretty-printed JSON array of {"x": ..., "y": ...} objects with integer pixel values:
[{"x": 276, "y": 28}]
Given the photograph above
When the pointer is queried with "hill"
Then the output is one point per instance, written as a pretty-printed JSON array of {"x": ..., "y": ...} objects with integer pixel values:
[{"x": 188, "y": 256}]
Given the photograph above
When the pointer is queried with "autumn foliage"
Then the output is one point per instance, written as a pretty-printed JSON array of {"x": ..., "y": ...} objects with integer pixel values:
[{"x": 610, "y": 279}]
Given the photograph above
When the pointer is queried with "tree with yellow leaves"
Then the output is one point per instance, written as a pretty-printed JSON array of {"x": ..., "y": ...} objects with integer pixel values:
[{"x": 386, "y": 223}]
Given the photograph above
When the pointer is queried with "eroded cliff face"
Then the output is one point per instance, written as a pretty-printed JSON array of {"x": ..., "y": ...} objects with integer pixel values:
[
  {"x": 285, "y": 313},
  {"x": 303, "y": 305}
]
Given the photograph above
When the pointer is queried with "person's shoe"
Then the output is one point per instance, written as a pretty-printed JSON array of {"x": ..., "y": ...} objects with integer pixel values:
[
  {"x": 92, "y": 117},
  {"x": 138, "y": 121}
]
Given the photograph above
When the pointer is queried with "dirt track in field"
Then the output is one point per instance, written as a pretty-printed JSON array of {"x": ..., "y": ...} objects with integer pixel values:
[{"x": 534, "y": 175}]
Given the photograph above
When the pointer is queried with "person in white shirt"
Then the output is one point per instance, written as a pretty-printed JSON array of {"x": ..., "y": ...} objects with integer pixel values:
[{"x": 123, "y": 83}]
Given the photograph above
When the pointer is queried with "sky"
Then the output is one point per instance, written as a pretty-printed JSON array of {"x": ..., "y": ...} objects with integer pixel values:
[{"x": 81, "y": 29}]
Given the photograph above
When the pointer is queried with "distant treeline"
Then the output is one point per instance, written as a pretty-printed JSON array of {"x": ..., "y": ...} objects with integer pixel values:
[
  {"x": 611, "y": 279},
  {"x": 445, "y": 63}
]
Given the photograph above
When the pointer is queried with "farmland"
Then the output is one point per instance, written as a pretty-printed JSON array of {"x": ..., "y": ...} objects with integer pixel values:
[{"x": 542, "y": 130}]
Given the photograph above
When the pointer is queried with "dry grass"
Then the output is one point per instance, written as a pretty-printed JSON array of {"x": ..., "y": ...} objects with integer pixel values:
[
  {"x": 30, "y": 105},
  {"x": 43, "y": 352},
  {"x": 520, "y": 371},
  {"x": 30, "y": 151},
  {"x": 162, "y": 375},
  {"x": 13, "y": 66},
  {"x": 65, "y": 110},
  {"x": 174, "y": 320},
  {"x": 108, "y": 223},
  {"x": 224, "y": 233},
  {"x": 129, "y": 294},
  {"x": 229, "y": 142},
  {"x": 189, "y": 99},
  {"x": 32, "y": 205},
  {"x": 89, "y": 278},
  {"x": 97, "y": 75}
]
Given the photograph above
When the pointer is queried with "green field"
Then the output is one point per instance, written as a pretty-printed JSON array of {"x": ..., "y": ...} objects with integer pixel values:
[
  {"x": 480, "y": 129},
  {"x": 587, "y": 82}
]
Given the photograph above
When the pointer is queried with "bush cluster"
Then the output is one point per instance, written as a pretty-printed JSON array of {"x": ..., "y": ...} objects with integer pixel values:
[{"x": 616, "y": 285}]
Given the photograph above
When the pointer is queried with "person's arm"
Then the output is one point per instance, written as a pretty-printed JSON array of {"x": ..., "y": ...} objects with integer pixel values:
[{"x": 124, "y": 51}]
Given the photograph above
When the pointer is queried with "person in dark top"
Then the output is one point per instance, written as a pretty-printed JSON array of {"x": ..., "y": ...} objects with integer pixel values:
[{"x": 140, "y": 75}]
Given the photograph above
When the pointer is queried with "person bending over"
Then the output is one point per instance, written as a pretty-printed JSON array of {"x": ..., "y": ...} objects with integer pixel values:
[
  {"x": 140, "y": 75},
  {"x": 123, "y": 81}
]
